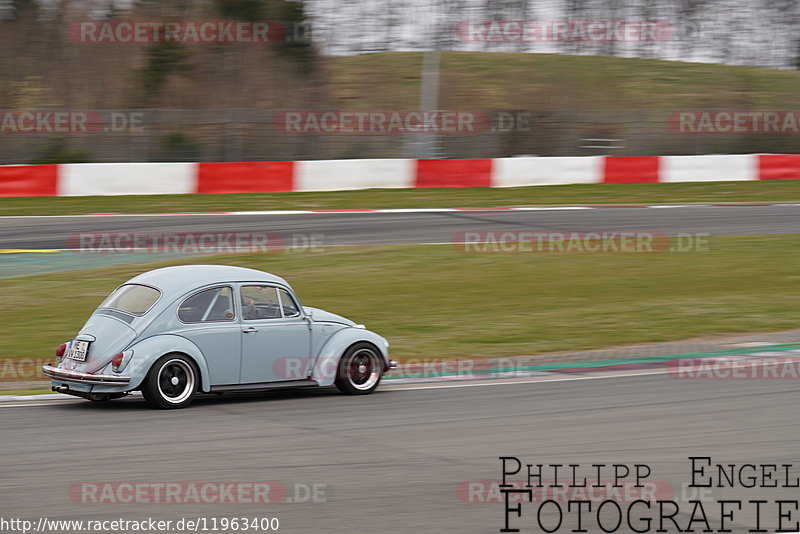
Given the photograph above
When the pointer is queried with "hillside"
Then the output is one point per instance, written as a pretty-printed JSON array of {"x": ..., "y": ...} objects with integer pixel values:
[
  {"x": 488, "y": 80},
  {"x": 573, "y": 99}
]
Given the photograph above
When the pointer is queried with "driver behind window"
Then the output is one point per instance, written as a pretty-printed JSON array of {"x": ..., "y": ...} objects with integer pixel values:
[{"x": 260, "y": 302}]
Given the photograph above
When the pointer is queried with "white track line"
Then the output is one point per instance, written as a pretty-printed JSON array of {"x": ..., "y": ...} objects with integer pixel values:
[
  {"x": 27, "y": 405},
  {"x": 386, "y": 211},
  {"x": 511, "y": 383},
  {"x": 400, "y": 388},
  {"x": 203, "y": 252}
]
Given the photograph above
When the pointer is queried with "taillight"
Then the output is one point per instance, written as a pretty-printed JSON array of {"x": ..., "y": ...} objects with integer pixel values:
[
  {"x": 116, "y": 361},
  {"x": 60, "y": 350}
]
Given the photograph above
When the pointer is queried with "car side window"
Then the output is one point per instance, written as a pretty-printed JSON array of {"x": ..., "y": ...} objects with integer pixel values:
[
  {"x": 260, "y": 302},
  {"x": 287, "y": 304},
  {"x": 209, "y": 305}
]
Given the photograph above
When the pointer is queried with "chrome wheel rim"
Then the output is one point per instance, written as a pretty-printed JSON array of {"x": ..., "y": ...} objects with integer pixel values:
[
  {"x": 362, "y": 369},
  {"x": 176, "y": 381}
]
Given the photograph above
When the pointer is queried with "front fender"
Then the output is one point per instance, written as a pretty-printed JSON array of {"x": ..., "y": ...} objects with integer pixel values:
[
  {"x": 147, "y": 351},
  {"x": 327, "y": 362}
]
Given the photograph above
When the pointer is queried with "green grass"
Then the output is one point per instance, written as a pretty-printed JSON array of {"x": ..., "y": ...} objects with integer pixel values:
[
  {"x": 25, "y": 391},
  {"x": 494, "y": 80},
  {"x": 433, "y": 301},
  {"x": 768, "y": 191}
]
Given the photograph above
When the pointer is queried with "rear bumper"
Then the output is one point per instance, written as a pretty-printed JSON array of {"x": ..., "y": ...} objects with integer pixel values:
[
  {"x": 392, "y": 364},
  {"x": 84, "y": 378}
]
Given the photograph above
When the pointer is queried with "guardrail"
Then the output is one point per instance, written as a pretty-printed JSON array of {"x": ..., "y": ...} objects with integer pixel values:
[{"x": 231, "y": 135}]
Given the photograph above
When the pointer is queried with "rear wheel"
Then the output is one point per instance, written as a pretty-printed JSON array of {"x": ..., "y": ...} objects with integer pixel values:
[
  {"x": 171, "y": 382},
  {"x": 360, "y": 370}
]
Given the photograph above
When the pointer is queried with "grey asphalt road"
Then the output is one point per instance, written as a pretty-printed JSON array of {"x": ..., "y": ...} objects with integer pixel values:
[
  {"x": 393, "y": 461},
  {"x": 405, "y": 228}
]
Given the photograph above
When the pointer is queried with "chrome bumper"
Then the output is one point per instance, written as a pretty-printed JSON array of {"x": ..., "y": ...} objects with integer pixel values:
[
  {"x": 84, "y": 378},
  {"x": 392, "y": 364}
]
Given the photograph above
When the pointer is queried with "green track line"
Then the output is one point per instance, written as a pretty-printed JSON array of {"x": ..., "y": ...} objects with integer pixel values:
[{"x": 607, "y": 363}]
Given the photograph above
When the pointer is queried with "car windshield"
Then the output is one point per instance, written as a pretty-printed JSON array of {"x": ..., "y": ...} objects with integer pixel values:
[{"x": 132, "y": 298}]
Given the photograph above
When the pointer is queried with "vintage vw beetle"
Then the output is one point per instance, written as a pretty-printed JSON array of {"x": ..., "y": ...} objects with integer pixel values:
[{"x": 176, "y": 331}]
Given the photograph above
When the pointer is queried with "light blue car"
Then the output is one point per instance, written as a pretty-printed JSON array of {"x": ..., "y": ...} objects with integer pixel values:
[{"x": 173, "y": 332}]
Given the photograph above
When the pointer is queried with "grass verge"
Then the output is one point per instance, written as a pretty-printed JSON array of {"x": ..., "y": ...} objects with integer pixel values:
[
  {"x": 25, "y": 392},
  {"x": 578, "y": 194},
  {"x": 434, "y": 301}
]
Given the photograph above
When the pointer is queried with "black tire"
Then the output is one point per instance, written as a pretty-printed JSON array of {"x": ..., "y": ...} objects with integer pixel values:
[
  {"x": 360, "y": 369},
  {"x": 171, "y": 382}
]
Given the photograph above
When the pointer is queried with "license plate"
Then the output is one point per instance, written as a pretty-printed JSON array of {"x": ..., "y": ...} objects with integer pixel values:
[{"x": 77, "y": 351}]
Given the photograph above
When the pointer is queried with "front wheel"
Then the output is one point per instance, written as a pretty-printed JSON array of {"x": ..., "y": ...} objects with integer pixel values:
[
  {"x": 360, "y": 370},
  {"x": 171, "y": 382}
]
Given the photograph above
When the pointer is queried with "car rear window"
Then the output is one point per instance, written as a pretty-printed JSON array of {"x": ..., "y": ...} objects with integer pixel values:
[{"x": 132, "y": 298}]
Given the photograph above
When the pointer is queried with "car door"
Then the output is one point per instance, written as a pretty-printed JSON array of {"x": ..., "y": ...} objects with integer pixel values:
[
  {"x": 210, "y": 323},
  {"x": 276, "y": 338}
]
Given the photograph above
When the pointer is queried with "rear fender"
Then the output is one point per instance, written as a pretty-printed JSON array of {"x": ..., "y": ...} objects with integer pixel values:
[
  {"x": 327, "y": 363},
  {"x": 147, "y": 351}
]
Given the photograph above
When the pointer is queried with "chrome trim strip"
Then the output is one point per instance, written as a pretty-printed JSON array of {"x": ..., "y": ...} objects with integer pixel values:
[
  {"x": 265, "y": 385},
  {"x": 84, "y": 378}
]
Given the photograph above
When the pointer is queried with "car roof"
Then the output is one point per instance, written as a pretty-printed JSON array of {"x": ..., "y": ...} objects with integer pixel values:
[{"x": 182, "y": 278}]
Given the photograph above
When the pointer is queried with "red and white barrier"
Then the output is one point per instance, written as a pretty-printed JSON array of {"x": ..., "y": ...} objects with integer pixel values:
[
  {"x": 708, "y": 168},
  {"x": 82, "y": 179},
  {"x": 344, "y": 174},
  {"x": 515, "y": 172}
]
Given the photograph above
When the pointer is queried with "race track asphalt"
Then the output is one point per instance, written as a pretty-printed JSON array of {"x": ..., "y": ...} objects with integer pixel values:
[
  {"x": 393, "y": 461},
  {"x": 415, "y": 227}
]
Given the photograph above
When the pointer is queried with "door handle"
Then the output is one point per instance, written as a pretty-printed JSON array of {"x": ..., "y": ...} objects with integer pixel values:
[{"x": 250, "y": 330}]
